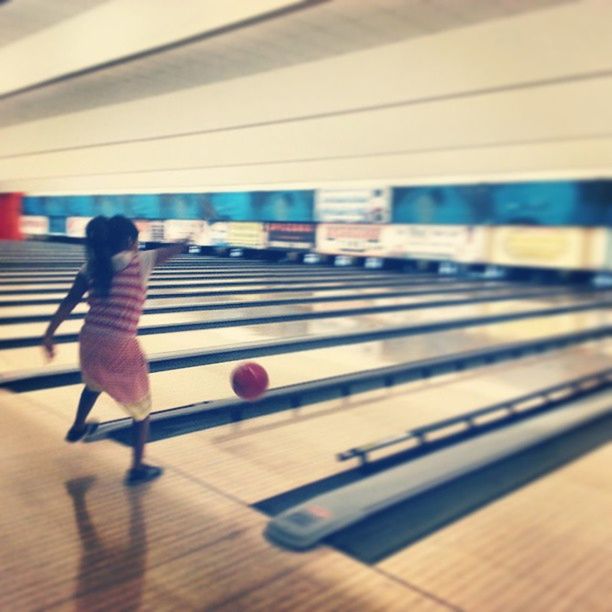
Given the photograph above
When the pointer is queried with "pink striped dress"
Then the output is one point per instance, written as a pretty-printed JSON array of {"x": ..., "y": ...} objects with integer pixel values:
[{"x": 110, "y": 355}]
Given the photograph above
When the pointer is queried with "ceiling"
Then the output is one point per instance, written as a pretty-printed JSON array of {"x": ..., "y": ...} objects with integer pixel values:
[
  {"x": 21, "y": 18},
  {"x": 321, "y": 30}
]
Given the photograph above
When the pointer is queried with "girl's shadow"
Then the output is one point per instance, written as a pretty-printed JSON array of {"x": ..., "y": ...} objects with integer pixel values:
[{"x": 113, "y": 573}]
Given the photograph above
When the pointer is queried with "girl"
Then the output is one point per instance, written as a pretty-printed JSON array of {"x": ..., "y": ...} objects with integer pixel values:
[{"x": 116, "y": 276}]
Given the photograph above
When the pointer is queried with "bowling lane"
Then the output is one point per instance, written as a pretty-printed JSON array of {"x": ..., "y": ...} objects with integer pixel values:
[
  {"x": 225, "y": 285},
  {"x": 37, "y": 309},
  {"x": 67, "y": 354},
  {"x": 154, "y": 302},
  {"x": 17, "y": 263},
  {"x": 224, "y": 288},
  {"x": 542, "y": 546},
  {"x": 60, "y": 278},
  {"x": 288, "y": 450},
  {"x": 211, "y": 382},
  {"x": 159, "y": 299},
  {"x": 205, "y": 277},
  {"x": 55, "y": 266},
  {"x": 267, "y": 456},
  {"x": 236, "y": 314}
]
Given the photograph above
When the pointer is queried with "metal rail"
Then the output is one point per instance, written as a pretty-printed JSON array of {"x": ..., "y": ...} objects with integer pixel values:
[{"x": 510, "y": 409}]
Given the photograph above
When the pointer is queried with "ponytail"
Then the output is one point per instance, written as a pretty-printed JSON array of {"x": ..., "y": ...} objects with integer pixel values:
[{"x": 99, "y": 264}]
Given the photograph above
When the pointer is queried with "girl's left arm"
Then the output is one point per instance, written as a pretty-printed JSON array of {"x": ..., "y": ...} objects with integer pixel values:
[{"x": 67, "y": 305}]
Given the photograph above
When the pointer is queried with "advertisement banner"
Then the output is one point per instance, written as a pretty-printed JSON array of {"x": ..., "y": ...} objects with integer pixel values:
[
  {"x": 219, "y": 234},
  {"x": 600, "y": 243},
  {"x": 197, "y": 232},
  {"x": 33, "y": 225},
  {"x": 75, "y": 226},
  {"x": 353, "y": 205},
  {"x": 475, "y": 247},
  {"x": 460, "y": 243},
  {"x": 148, "y": 231},
  {"x": 250, "y": 235},
  {"x": 281, "y": 206},
  {"x": 290, "y": 235},
  {"x": 543, "y": 203},
  {"x": 362, "y": 240},
  {"x": 155, "y": 232},
  {"x": 542, "y": 247},
  {"x": 144, "y": 230}
]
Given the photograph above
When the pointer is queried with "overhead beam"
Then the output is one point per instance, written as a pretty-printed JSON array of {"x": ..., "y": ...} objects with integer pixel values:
[{"x": 123, "y": 30}]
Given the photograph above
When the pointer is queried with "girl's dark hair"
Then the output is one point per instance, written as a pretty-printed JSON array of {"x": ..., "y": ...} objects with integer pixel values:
[
  {"x": 99, "y": 265},
  {"x": 122, "y": 233},
  {"x": 104, "y": 238}
]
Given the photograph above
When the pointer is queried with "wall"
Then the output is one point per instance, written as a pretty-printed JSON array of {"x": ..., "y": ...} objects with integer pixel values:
[{"x": 526, "y": 97}]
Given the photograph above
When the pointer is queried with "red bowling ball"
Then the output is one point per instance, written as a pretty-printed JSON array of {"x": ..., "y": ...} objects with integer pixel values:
[{"x": 249, "y": 380}]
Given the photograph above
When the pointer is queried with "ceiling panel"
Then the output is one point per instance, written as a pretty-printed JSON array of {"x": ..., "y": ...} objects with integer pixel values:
[
  {"x": 324, "y": 30},
  {"x": 20, "y": 18}
]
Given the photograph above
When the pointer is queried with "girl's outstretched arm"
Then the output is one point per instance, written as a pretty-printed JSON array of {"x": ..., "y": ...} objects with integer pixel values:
[
  {"x": 67, "y": 305},
  {"x": 164, "y": 253}
]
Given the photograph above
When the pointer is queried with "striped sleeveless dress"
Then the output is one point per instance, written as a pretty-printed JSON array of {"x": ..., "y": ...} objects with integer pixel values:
[{"x": 110, "y": 356}]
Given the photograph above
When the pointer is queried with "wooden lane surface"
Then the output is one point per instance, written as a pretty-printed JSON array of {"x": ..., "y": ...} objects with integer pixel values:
[
  {"x": 67, "y": 354},
  {"x": 264, "y": 457},
  {"x": 545, "y": 547},
  {"x": 212, "y": 382},
  {"x": 200, "y": 280},
  {"x": 62, "y": 281},
  {"x": 428, "y": 292},
  {"x": 75, "y": 538},
  {"x": 20, "y": 330},
  {"x": 534, "y": 550},
  {"x": 49, "y": 309},
  {"x": 43, "y": 271},
  {"x": 231, "y": 288}
]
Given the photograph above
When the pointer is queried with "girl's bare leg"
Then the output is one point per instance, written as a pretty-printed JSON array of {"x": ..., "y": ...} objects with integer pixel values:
[
  {"x": 140, "y": 434},
  {"x": 141, "y": 472},
  {"x": 86, "y": 403}
]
